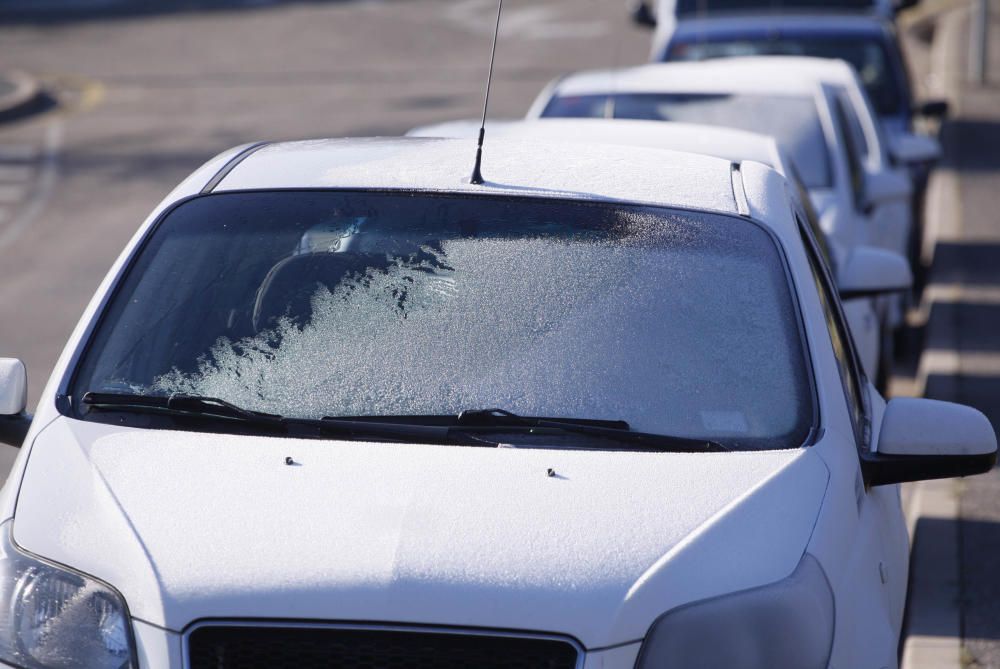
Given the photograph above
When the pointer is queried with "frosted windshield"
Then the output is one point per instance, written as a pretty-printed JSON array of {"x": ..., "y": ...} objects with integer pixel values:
[
  {"x": 867, "y": 55},
  {"x": 347, "y": 304},
  {"x": 792, "y": 120}
]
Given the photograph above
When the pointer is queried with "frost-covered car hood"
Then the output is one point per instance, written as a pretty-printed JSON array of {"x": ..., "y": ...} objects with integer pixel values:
[{"x": 191, "y": 526}]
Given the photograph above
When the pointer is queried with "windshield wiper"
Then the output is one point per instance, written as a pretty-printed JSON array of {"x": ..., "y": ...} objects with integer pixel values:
[
  {"x": 181, "y": 404},
  {"x": 213, "y": 407},
  {"x": 610, "y": 430},
  {"x": 476, "y": 420}
]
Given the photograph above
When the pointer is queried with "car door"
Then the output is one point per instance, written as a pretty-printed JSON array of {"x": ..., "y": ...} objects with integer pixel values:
[
  {"x": 862, "y": 319},
  {"x": 879, "y": 221},
  {"x": 871, "y": 598}
]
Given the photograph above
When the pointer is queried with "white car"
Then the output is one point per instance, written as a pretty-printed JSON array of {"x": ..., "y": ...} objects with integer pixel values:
[
  {"x": 728, "y": 143},
  {"x": 791, "y": 99},
  {"x": 869, "y": 44},
  {"x": 336, "y": 405},
  {"x": 883, "y": 160}
]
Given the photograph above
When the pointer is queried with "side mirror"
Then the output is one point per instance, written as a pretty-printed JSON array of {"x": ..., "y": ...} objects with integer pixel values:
[
  {"x": 912, "y": 149},
  {"x": 869, "y": 271},
  {"x": 642, "y": 14},
  {"x": 14, "y": 422},
  {"x": 885, "y": 186},
  {"x": 927, "y": 439},
  {"x": 937, "y": 109}
]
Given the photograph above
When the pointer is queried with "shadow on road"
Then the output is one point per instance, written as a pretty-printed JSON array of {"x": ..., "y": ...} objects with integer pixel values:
[
  {"x": 52, "y": 12},
  {"x": 974, "y": 144},
  {"x": 978, "y": 540},
  {"x": 980, "y": 392},
  {"x": 971, "y": 263}
]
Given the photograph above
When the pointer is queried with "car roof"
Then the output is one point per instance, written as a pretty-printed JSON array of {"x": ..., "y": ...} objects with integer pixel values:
[
  {"x": 753, "y": 74},
  {"x": 727, "y": 143},
  {"x": 799, "y": 23},
  {"x": 511, "y": 167},
  {"x": 833, "y": 71}
]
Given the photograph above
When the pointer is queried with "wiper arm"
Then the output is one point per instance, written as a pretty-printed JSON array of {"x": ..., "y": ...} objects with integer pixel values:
[
  {"x": 492, "y": 417},
  {"x": 186, "y": 404},
  {"x": 213, "y": 407},
  {"x": 611, "y": 430}
]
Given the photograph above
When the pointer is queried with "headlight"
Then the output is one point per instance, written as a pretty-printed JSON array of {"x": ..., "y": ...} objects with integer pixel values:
[
  {"x": 53, "y": 618},
  {"x": 785, "y": 624}
]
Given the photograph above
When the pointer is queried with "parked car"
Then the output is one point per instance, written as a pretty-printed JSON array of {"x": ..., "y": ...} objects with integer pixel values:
[
  {"x": 783, "y": 97},
  {"x": 335, "y": 404},
  {"x": 728, "y": 143},
  {"x": 898, "y": 226},
  {"x": 868, "y": 43},
  {"x": 667, "y": 14}
]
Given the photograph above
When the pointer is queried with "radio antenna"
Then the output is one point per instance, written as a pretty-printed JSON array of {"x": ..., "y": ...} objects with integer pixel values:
[{"x": 477, "y": 174}]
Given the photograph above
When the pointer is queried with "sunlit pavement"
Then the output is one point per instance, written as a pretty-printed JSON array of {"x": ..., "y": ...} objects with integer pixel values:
[{"x": 149, "y": 90}]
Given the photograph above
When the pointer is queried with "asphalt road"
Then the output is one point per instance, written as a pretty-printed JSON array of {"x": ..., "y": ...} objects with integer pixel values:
[{"x": 147, "y": 90}]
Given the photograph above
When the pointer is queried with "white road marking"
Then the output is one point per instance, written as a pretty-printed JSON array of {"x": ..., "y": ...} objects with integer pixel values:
[
  {"x": 43, "y": 188},
  {"x": 479, "y": 16}
]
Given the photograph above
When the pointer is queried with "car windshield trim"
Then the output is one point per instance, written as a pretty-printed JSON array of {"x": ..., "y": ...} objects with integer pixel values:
[
  {"x": 462, "y": 429},
  {"x": 69, "y": 406}
]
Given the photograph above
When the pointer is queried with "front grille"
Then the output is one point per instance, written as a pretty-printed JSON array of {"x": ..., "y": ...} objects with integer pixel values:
[{"x": 253, "y": 647}]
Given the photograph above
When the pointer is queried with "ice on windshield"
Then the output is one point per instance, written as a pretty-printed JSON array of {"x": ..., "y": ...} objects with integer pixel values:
[
  {"x": 669, "y": 323},
  {"x": 575, "y": 331}
]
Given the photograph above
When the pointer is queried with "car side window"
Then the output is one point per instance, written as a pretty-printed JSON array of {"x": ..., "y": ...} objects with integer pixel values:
[
  {"x": 855, "y": 166},
  {"x": 854, "y": 125},
  {"x": 811, "y": 218},
  {"x": 843, "y": 347}
]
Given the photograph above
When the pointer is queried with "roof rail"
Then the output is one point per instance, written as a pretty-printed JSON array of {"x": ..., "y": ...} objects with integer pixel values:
[{"x": 739, "y": 193}]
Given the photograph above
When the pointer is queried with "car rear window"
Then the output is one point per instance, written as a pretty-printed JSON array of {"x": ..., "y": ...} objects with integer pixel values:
[
  {"x": 313, "y": 304},
  {"x": 792, "y": 120},
  {"x": 868, "y": 55}
]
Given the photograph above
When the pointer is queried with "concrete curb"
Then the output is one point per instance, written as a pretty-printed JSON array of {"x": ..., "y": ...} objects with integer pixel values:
[
  {"x": 934, "y": 600},
  {"x": 25, "y": 93},
  {"x": 934, "y": 618}
]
